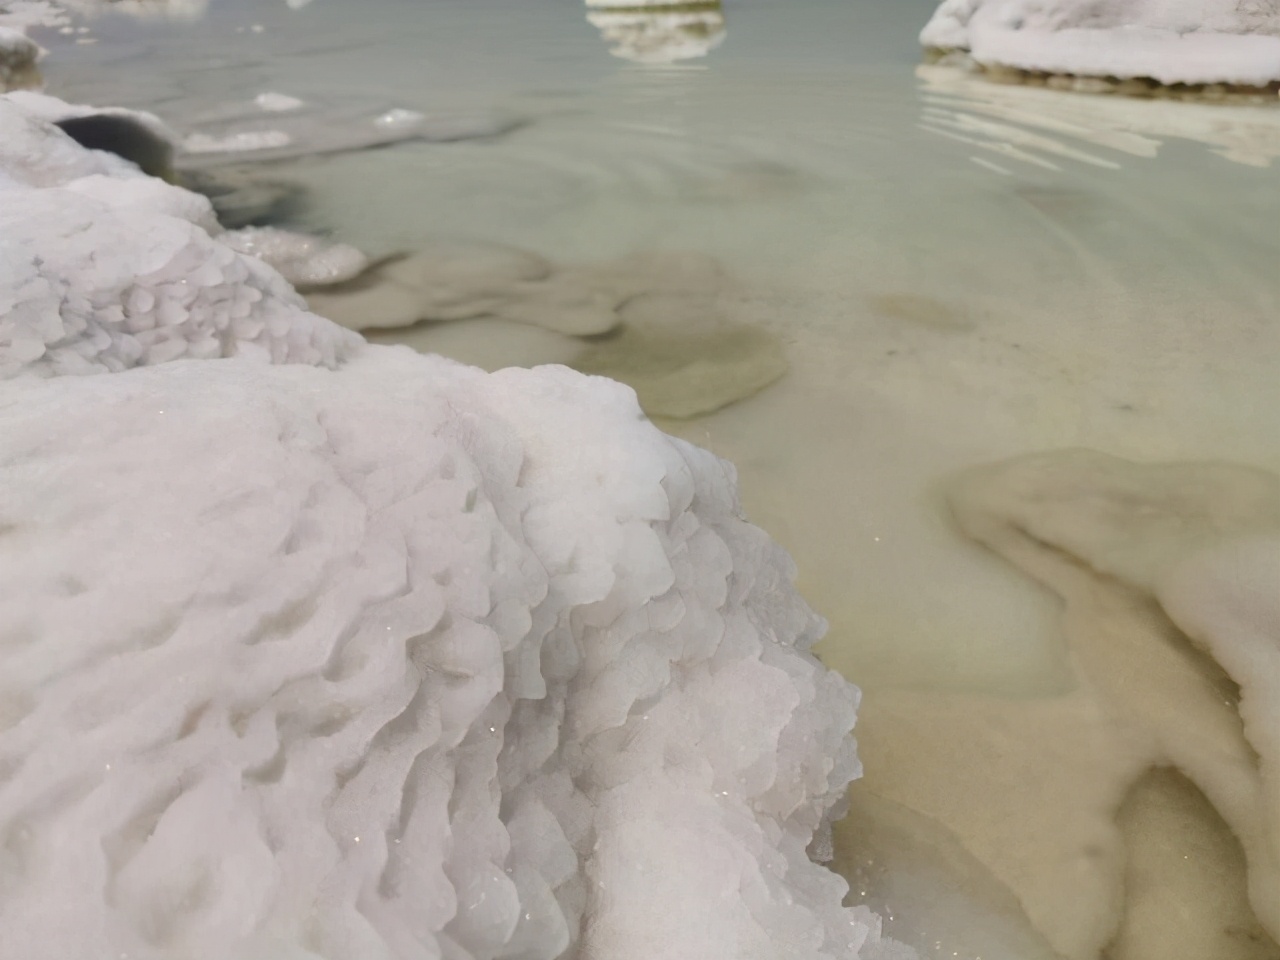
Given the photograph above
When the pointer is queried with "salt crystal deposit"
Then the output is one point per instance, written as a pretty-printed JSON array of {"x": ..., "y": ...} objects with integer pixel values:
[
  {"x": 1168, "y": 580},
  {"x": 658, "y": 32},
  {"x": 364, "y": 654},
  {"x": 167, "y": 290},
  {"x": 1169, "y": 41},
  {"x": 302, "y": 260}
]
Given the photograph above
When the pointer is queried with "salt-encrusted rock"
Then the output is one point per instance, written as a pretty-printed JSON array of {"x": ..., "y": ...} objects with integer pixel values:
[
  {"x": 103, "y": 268},
  {"x": 1169, "y": 41},
  {"x": 378, "y": 659},
  {"x": 684, "y": 357},
  {"x": 139, "y": 137},
  {"x": 658, "y": 32},
  {"x": 396, "y": 658},
  {"x": 1170, "y": 580},
  {"x": 303, "y": 260}
]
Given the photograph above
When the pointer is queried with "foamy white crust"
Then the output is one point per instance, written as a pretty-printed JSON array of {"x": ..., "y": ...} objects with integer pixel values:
[
  {"x": 103, "y": 268},
  {"x": 303, "y": 260},
  {"x": 657, "y": 36},
  {"x": 1172, "y": 41},
  {"x": 397, "y": 659}
]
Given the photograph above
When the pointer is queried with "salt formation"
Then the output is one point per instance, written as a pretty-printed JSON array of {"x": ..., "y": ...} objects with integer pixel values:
[
  {"x": 658, "y": 32},
  {"x": 933, "y": 894},
  {"x": 139, "y": 137},
  {"x": 18, "y": 56},
  {"x": 1170, "y": 580},
  {"x": 302, "y": 260},
  {"x": 275, "y": 127},
  {"x": 169, "y": 290},
  {"x": 1167, "y": 41},
  {"x": 370, "y": 654}
]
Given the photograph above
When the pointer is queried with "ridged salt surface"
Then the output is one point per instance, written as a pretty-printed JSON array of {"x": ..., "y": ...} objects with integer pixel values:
[
  {"x": 1172, "y": 41},
  {"x": 1032, "y": 271},
  {"x": 103, "y": 268},
  {"x": 366, "y": 654}
]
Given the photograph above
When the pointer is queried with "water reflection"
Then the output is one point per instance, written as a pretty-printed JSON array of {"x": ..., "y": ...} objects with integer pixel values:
[
  {"x": 1034, "y": 126},
  {"x": 659, "y": 33}
]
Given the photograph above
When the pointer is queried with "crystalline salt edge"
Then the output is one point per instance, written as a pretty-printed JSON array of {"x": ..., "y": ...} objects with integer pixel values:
[
  {"x": 361, "y": 653},
  {"x": 1172, "y": 41}
]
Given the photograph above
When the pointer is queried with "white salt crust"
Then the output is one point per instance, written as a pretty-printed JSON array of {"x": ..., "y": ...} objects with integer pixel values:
[
  {"x": 1171, "y": 41},
  {"x": 18, "y": 56},
  {"x": 300, "y": 259},
  {"x": 366, "y": 654},
  {"x": 103, "y": 268}
]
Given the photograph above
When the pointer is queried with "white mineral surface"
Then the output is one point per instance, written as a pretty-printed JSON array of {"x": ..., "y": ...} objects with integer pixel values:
[
  {"x": 96, "y": 276},
  {"x": 366, "y": 654},
  {"x": 648, "y": 33},
  {"x": 1171, "y": 41}
]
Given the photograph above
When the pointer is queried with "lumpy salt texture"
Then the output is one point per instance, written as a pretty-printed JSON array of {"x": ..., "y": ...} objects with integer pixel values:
[
  {"x": 399, "y": 660},
  {"x": 367, "y": 654},
  {"x": 103, "y": 268},
  {"x": 1172, "y": 41}
]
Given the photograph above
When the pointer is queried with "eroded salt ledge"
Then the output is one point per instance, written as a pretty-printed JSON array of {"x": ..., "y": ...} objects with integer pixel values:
[
  {"x": 1169, "y": 41},
  {"x": 359, "y": 653}
]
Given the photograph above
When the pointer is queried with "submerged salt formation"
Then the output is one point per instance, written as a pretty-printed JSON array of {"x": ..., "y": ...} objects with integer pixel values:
[
  {"x": 363, "y": 654},
  {"x": 376, "y": 695},
  {"x": 683, "y": 357},
  {"x": 1198, "y": 42},
  {"x": 243, "y": 196},
  {"x": 462, "y": 281},
  {"x": 1170, "y": 581},
  {"x": 141, "y": 138},
  {"x": 274, "y": 127},
  {"x": 660, "y": 323},
  {"x": 304, "y": 261}
]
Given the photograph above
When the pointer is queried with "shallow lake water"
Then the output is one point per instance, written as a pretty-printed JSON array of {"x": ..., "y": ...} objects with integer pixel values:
[{"x": 954, "y": 273}]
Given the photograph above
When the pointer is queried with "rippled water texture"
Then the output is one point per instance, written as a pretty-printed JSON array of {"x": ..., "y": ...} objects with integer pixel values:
[{"x": 898, "y": 274}]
